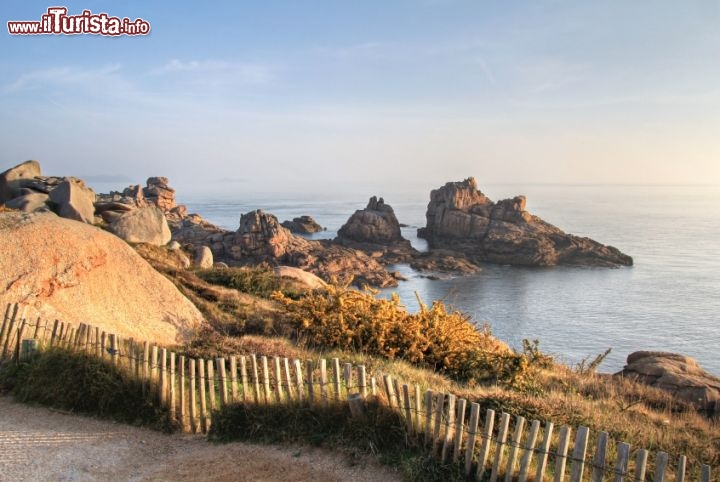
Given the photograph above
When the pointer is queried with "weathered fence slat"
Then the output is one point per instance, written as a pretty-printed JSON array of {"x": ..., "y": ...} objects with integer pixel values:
[
  {"x": 599, "y": 458},
  {"x": 641, "y": 465},
  {"x": 288, "y": 379},
  {"x": 514, "y": 448},
  {"x": 459, "y": 428},
  {"x": 310, "y": 381},
  {"x": 449, "y": 422},
  {"x": 211, "y": 385},
  {"x": 500, "y": 447},
  {"x": 439, "y": 409},
  {"x": 266, "y": 379},
  {"x": 205, "y": 425},
  {"x": 222, "y": 373},
  {"x": 347, "y": 377},
  {"x": 278, "y": 380},
  {"x": 193, "y": 396},
  {"x": 183, "y": 402},
  {"x": 408, "y": 412},
  {"x": 163, "y": 376},
  {"x": 153, "y": 366},
  {"x": 418, "y": 408},
  {"x": 472, "y": 434},
  {"x": 661, "y": 461},
  {"x": 486, "y": 441},
  {"x": 173, "y": 393},
  {"x": 244, "y": 378},
  {"x": 362, "y": 380},
  {"x": 336, "y": 377},
  {"x": 621, "y": 465},
  {"x": 299, "y": 381},
  {"x": 680, "y": 474},
  {"x": 233, "y": 378},
  {"x": 705, "y": 473},
  {"x": 429, "y": 397},
  {"x": 528, "y": 451},
  {"x": 324, "y": 382},
  {"x": 255, "y": 378},
  {"x": 561, "y": 453}
]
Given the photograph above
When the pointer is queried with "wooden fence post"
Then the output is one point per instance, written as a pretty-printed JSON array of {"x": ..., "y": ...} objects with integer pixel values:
[
  {"x": 211, "y": 386},
  {"x": 223, "y": 381},
  {"x": 429, "y": 397},
  {"x": 193, "y": 395},
  {"x": 439, "y": 409},
  {"x": 203, "y": 401},
  {"x": 244, "y": 379},
  {"x": 486, "y": 441},
  {"x": 233, "y": 378},
  {"x": 255, "y": 378},
  {"x": 514, "y": 448},
  {"x": 459, "y": 429},
  {"x": 578, "y": 457},
  {"x": 324, "y": 382},
  {"x": 472, "y": 434},
  {"x": 599, "y": 459},
  {"x": 362, "y": 380},
  {"x": 408, "y": 412},
  {"x": 544, "y": 452},
  {"x": 641, "y": 465},
  {"x": 288, "y": 379},
  {"x": 621, "y": 466},
  {"x": 449, "y": 422},
  {"x": 266, "y": 379},
  {"x": 310, "y": 382},
  {"x": 278, "y": 380},
  {"x": 529, "y": 450},
  {"x": 561, "y": 454},
  {"x": 661, "y": 461},
  {"x": 336, "y": 377},
  {"x": 500, "y": 447},
  {"x": 173, "y": 393},
  {"x": 299, "y": 381},
  {"x": 183, "y": 404},
  {"x": 163, "y": 377},
  {"x": 680, "y": 474}
]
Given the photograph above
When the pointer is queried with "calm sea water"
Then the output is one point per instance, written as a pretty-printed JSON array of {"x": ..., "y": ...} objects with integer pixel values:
[{"x": 670, "y": 299}]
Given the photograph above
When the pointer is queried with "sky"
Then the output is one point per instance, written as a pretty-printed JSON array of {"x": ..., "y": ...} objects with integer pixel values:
[{"x": 339, "y": 95}]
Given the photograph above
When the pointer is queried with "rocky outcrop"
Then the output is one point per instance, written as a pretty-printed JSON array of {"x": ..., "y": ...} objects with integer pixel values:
[
  {"x": 297, "y": 279},
  {"x": 76, "y": 273},
  {"x": 14, "y": 179},
  {"x": 29, "y": 202},
  {"x": 260, "y": 238},
  {"x": 143, "y": 225},
  {"x": 203, "y": 258},
  {"x": 442, "y": 261},
  {"x": 303, "y": 225},
  {"x": 678, "y": 374},
  {"x": 74, "y": 200},
  {"x": 375, "y": 224},
  {"x": 157, "y": 193},
  {"x": 461, "y": 218}
]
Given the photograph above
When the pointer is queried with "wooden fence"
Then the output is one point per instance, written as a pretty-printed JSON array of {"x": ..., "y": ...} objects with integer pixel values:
[{"x": 499, "y": 446}]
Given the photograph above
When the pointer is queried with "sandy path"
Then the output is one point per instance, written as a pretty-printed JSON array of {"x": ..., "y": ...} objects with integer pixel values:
[{"x": 37, "y": 443}]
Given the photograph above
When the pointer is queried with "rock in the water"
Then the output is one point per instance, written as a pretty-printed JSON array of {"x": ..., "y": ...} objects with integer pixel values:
[
  {"x": 144, "y": 225},
  {"x": 461, "y": 218},
  {"x": 678, "y": 374},
  {"x": 300, "y": 280},
  {"x": 12, "y": 180},
  {"x": 77, "y": 273},
  {"x": 302, "y": 225},
  {"x": 203, "y": 258},
  {"x": 442, "y": 261},
  {"x": 375, "y": 224},
  {"x": 74, "y": 200},
  {"x": 29, "y": 202}
]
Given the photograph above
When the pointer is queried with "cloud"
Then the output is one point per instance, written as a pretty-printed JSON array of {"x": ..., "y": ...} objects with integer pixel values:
[
  {"x": 219, "y": 71},
  {"x": 60, "y": 76}
]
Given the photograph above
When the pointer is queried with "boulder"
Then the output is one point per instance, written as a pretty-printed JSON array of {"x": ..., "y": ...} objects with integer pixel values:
[
  {"x": 29, "y": 202},
  {"x": 143, "y": 225},
  {"x": 203, "y": 258},
  {"x": 74, "y": 200},
  {"x": 462, "y": 219},
  {"x": 303, "y": 225},
  {"x": 73, "y": 272},
  {"x": 441, "y": 261},
  {"x": 375, "y": 224},
  {"x": 12, "y": 180},
  {"x": 677, "y": 374},
  {"x": 299, "y": 279},
  {"x": 159, "y": 193}
]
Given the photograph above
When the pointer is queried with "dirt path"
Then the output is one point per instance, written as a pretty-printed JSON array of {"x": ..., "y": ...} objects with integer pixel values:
[{"x": 38, "y": 444}]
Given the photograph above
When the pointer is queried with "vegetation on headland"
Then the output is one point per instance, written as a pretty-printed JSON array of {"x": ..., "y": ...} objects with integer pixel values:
[{"x": 435, "y": 348}]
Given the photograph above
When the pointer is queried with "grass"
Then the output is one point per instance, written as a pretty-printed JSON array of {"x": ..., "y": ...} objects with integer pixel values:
[
  {"x": 80, "y": 382},
  {"x": 379, "y": 433}
]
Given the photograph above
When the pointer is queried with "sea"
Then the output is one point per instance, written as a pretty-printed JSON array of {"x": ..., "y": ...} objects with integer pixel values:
[{"x": 668, "y": 301}]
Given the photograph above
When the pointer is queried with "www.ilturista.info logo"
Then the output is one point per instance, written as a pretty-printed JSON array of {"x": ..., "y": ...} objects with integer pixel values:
[{"x": 57, "y": 22}]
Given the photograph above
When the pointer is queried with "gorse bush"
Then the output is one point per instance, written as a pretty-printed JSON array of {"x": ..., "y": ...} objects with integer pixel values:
[
  {"x": 446, "y": 341},
  {"x": 259, "y": 281}
]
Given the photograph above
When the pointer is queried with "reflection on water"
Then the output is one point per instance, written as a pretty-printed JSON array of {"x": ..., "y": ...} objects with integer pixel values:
[{"x": 670, "y": 299}]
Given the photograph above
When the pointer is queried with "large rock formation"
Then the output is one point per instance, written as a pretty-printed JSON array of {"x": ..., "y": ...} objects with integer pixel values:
[
  {"x": 13, "y": 180},
  {"x": 261, "y": 238},
  {"x": 461, "y": 218},
  {"x": 157, "y": 193},
  {"x": 375, "y": 224},
  {"x": 74, "y": 200},
  {"x": 143, "y": 225},
  {"x": 78, "y": 273},
  {"x": 303, "y": 225},
  {"x": 678, "y": 374}
]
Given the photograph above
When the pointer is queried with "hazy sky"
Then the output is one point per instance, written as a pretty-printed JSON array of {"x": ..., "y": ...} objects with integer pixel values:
[{"x": 340, "y": 94}]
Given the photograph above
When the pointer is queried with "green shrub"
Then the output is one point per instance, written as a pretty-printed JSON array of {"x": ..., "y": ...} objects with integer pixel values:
[{"x": 259, "y": 281}]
